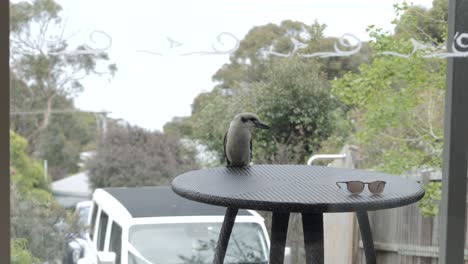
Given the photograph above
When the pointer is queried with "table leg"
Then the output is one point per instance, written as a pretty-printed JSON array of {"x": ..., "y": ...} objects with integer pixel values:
[
  {"x": 312, "y": 224},
  {"x": 279, "y": 230},
  {"x": 224, "y": 235},
  {"x": 366, "y": 236}
]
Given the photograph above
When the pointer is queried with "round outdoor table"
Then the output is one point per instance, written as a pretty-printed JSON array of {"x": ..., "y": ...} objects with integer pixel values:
[{"x": 282, "y": 189}]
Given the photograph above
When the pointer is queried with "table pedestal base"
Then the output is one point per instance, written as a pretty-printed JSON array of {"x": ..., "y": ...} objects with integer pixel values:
[
  {"x": 312, "y": 224},
  {"x": 224, "y": 235},
  {"x": 366, "y": 237},
  {"x": 279, "y": 231}
]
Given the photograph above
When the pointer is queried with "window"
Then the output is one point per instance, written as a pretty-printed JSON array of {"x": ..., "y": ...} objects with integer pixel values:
[
  {"x": 83, "y": 213},
  {"x": 116, "y": 241},
  {"x": 101, "y": 236},
  {"x": 93, "y": 221},
  {"x": 195, "y": 243}
]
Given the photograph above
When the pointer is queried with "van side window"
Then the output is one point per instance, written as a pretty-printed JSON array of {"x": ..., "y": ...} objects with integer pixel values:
[
  {"x": 93, "y": 221},
  {"x": 101, "y": 234},
  {"x": 116, "y": 241}
]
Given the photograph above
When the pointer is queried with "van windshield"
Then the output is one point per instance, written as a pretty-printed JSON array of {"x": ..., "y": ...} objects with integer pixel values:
[{"x": 184, "y": 243}]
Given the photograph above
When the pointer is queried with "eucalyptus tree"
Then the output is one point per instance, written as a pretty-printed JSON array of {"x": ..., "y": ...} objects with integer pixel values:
[{"x": 43, "y": 66}]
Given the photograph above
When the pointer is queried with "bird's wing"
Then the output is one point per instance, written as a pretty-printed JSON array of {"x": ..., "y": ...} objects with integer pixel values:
[
  {"x": 251, "y": 149},
  {"x": 225, "y": 155}
]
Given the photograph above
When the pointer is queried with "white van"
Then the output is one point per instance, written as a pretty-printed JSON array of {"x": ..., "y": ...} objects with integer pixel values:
[{"x": 152, "y": 225}]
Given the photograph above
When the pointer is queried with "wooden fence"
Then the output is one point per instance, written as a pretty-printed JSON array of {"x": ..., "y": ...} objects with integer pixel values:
[{"x": 401, "y": 235}]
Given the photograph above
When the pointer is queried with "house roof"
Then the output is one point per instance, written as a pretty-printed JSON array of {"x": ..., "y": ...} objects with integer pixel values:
[
  {"x": 75, "y": 185},
  {"x": 72, "y": 189},
  {"x": 162, "y": 201}
]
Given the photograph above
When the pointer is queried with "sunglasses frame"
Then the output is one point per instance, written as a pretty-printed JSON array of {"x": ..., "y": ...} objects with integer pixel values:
[{"x": 364, "y": 183}]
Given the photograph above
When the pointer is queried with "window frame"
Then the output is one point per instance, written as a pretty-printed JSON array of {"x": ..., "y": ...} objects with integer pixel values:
[{"x": 92, "y": 225}]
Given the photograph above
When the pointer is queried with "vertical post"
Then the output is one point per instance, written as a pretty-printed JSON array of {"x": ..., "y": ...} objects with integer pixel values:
[
  {"x": 45, "y": 170},
  {"x": 4, "y": 133},
  {"x": 104, "y": 124},
  {"x": 454, "y": 173}
]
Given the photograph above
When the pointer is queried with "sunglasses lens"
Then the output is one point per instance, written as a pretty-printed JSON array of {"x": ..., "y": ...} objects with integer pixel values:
[
  {"x": 376, "y": 187},
  {"x": 355, "y": 186}
]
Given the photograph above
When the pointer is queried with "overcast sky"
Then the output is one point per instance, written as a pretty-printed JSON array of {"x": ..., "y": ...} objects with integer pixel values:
[{"x": 149, "y": 89}]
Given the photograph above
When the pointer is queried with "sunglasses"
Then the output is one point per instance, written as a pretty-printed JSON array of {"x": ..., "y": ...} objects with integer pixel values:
[{"x": 356, "y": 187}]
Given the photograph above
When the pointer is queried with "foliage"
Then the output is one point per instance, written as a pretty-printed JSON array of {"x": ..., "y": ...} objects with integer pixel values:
[
  {"x": 34, "y": 214},
  {"x": 66, "y": 137},
  {"x": 211, "y": 119},
  {"x": 43, "y": 69},
  {"x": 335, "y": 67},
  {"x": 35, "y": 222},
  {"x": 397, "y": 108},
  {"x": 26, "y": 174},
  {"x": 297, "y": 104},
  {"x": 67, "y": 134},
  {"x": 294, "y": 98},
  {"x": 427, "y": 25},
  {"x": 396, "y": 104},
  {"x": 429, "y": 205},
  {"x": 132, "y": 156},
  {"x": 249, "y": 61},
  {"x": 20, "y": 253},
  {"x": 179, "y": 127}
]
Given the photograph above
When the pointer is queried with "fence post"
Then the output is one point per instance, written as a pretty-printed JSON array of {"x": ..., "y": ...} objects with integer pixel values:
[
  {"x": 45, "y": 170},
  {"x": 341, "y": 241}
]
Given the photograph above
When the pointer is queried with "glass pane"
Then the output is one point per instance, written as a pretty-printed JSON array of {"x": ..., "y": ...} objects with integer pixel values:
[
  {"x": 116, "y": 241},
  {"x": 102, "y": 230},
  {"x": 108, "y": 101},
  {"x": 83, "y": 213},
  {"x": 195, "y": 243}
]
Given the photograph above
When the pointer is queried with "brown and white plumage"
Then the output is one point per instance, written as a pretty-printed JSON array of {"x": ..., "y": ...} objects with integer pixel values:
[{"x": 238, "y": 139}]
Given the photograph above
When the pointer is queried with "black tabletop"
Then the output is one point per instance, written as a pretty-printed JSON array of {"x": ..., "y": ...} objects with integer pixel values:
[{"x": 293, "y": 188}]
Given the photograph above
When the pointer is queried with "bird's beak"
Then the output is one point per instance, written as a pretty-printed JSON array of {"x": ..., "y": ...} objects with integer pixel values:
[{"x": 261, "y": 125}]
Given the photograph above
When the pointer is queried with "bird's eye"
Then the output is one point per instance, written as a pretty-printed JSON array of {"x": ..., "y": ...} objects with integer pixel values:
[{"x": 244, "y": 119}]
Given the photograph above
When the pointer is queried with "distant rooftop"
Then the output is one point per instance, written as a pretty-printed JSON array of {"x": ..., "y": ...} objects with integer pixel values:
[
  {"x": 72, "y": 189},
  {"x": 77, "y": 185}
]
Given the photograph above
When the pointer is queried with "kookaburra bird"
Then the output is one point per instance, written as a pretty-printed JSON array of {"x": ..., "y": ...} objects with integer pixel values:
[{"x": 238, "y": 139}]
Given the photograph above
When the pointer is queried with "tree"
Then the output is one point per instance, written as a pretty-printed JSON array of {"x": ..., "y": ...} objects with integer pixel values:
[
  {"x": 20, "y": 253},
  {"x": 295, "y": 99},
  {"x": 67, "y": 134},
  {"x": 397, "y": 108},
  {"x": 25, "y": 173},
  {"x": 250, "y": 60},
  {"x": 42, "y": 63},
  {"x": 34, "y": 213},
  {"x": 33, "y": 224},
  {"x": 179, "y": 127},
  {"x": 132, "y": 156},
  {"x": 397, "y": 103},
  {"x": 243, "y": 85},
  {"x": 45, "y": 75},
  {"x": 427, "y": 25}
]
